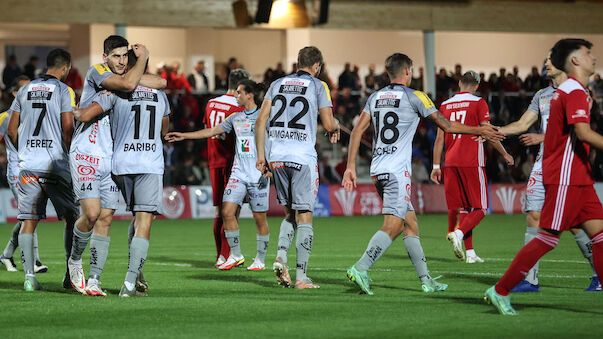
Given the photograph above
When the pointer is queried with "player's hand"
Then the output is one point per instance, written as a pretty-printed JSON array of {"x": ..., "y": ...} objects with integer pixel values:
[
  {"x": 509, "y": 159},
  {"x": 77, "y": 114},
  {"x": 436, "y": 175},
  {"x": 334, "y": 136},
  {"x": 478, "y": 138},
  {"x": 491, "y": 133},
  {"x": 174, "y": 136},
  {"x": 262, "y": 166},
  {"x": 140, "y": 51},
  {"x": 531, "y": 139},
  {"x": 349, "y": 180}
]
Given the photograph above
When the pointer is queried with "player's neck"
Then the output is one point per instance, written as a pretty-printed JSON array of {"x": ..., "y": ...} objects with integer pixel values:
[
  {"x": 250, "y": 107},
  {"x": 400, "y": 81},
  {"x": 231, "y": 92},
  {"x": 307, "y": 70},
  {"x": 580, "y": 76},
  {"x": 55, "y": 73},
  {"x": 558, "y": 80}
]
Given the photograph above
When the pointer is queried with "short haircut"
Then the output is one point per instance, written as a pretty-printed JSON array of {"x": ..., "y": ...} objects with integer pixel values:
[
  {"x": 237, "y": 75},
  {"x": 58, "y": 58},
  {"x": 250, "y": 86},
  {"x": 562, "y": 50},
  {"x": 15, "y": 85},
  {"x": 308, "y": 56},
  {"x": 113, "y": 42},
  {"x": 395, "y": 63},
  {"x": 132, "y": 59},
  {"x": 470, "y": 78}
]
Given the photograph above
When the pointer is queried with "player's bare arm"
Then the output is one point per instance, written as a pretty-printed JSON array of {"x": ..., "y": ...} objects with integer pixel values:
[
  {"x": 67, "y": 128},
  {"x": 89, "y": 113},
  {"x": 129, "y": 80},
  {"x": 438, "y": 145},
  {"x": 13, "y": 128},
  {"x": 531, "y": 139},
  {"x": 520, "y": 126},
  {"x": 200, "y": 134},
  {"x": 488, "y": 132},
  {"x": 500, "y": 148},
  {"x": 330, "y": 123},
  {"x": 349, "y": 177},
  {"x": 260, "y": 135},
  {"x": 583, "y": 132},
  {"x": 165, "y": 125},
  {"x": 153, "y": 81}
]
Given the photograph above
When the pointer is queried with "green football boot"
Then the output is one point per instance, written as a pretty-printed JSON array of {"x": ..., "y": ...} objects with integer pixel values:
[
  {"x": 361, "y": 279},
  {"x": 502, "y": 303},
  {"x": 431, "y": 285},
  {"x": 31, "y": 284}
]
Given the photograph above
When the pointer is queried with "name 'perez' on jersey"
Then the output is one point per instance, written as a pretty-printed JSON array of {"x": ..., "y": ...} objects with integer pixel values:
[
  {"x": 395, "y": 112},
  {"x": 136, "y": 127}
]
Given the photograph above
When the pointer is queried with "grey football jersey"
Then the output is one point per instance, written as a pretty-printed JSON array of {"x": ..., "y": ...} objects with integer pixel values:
[
  {"x": 136, "y": 125},
  {"x": 94, "y": 137},
  {"x": 395, "y": 112},
  {"x": 40, "y": 145},
  {"x": 541, "y": 104},
  {"x": 296, "y": 100},
  {"x": 11, "y": 152}
]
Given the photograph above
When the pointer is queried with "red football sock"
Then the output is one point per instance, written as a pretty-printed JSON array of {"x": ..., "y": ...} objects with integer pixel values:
[
  {"x": 524, "y": 260},
  {"x": 471, "y": 220},
  {"x": 217, "y": 238},
  {"x": 224, "y": 242},
  {"x": 597, "y": 243},
  {"x": 468, "y": 240},
  {"x": 452, "y": 216}
]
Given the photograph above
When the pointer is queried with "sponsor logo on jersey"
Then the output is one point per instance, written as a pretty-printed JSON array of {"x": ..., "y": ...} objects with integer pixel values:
[
  {"x": 294, "y": 86},
  {"x": 40, "y": 92},
  {"x": 219, "y": 106},
  {"x": 387, "y": 103},
  {"x": 28, "y": 179},
  {"x": 86, "y": 170},
  {"x": 507, "y": 198},
  {"x": 580, "y": 114},
  {"x": 143, "y": 95},
  {"x": 85, "y": 179},
  {"x": 531, "y": 182},
  {"x": 381, "y": 177},
  {"x": 283, "y": 164},
  {"x": 89, "y": 159},
  {"x": 408, "y": 192},
  {"x": 346, "y": 200},
  {"x": 93, "y": 133}
]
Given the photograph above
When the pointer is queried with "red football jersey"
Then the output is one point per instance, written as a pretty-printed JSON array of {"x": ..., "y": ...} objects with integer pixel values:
[
  {"x": 461, "y": 149},
  {"x": 565, "y": 158},
  {"x": 221, "y": 147}
]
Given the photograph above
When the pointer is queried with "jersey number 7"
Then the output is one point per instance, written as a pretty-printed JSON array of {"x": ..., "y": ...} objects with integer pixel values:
[{"x": 42, "y": 115}]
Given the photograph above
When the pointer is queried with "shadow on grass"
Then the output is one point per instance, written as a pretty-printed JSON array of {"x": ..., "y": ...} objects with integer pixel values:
[{"x": 234, "y": 276}]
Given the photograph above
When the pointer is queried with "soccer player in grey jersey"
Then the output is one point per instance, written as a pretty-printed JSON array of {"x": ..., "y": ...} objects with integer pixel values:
[
  {"x": 90, "y": 157},
  {"x": 293, "y": 104},
  {"x": 540, "y": 106},
  {"x": 395, "y": 112},
  {"x": 41, "y": 126},
  {"x": 245, "y": 179}
]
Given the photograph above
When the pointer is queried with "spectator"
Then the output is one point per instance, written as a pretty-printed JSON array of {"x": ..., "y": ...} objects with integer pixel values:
[
  {"x": 532, "y": 82},
  {"x": 357, "y": 83},
  {"x": 170, "y": 157},
  {"x": 324, "y": 76},
  {"x": 279, "y": 72},
  {"x": 31, "y": 68},
  {"x": 484, "y": 86},
  {"x": 268, "y": 77},
  {"x": 493, "y": 82},
  {"x": 417, "y": 83},
  {"x": 11, "y": 71},
  {"x": 516, "y": 77},
  {"x": 176, "y": 80},
  {"x": 294, "y": 68},
  {"x": 526, "y": 167},
  {"x": 343, "y": 164},
  {"x": 346, "y": 78},
  {"x": 187, "y": 173},
  {"x": 221, "y": 83},
  {"x": 198, "y": 79},
  {"x": 75, "y": 81},
  {"x": 597, "y": 86},
  {"x": 509, "y": 84},
  {"x": 382, "y": 79},
  {"x": 370, "y": 81},
  {"x": 443, "y": 85},
  {"x": 232, "y": 64},
  {"x": 419, "y": 172},
  {"x": 327, "y": 173}
]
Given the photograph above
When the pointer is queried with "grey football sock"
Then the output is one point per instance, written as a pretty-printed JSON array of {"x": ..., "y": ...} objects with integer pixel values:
[
  {"x": 67, "y": 241},
  {"x": 131, "y": 232},
  {"x": 532, "y": 276},
  {"x": 27, "y": 253},
  {"x": 303, "y": 243},
  {"x": 417, "y": 257},
  {"x": 99, "y": 250},
  {"x": 586, "y": 248},
  {"x": 263, "y": 241},
  {"x": 285, "y": 239},
  {"x": 234, "y": 243},
  {"x": 138, "y": 254},
  {"x": 376, "y": 247},
  {"x": 13, "y": 242},
  {"x": 80, "y": 241},
  {"x": 35, "y": 244}
]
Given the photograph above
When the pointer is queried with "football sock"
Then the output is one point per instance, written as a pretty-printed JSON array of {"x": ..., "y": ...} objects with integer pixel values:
[
  {"x": 376, "y": 247},
  {"x": 263, "y": 241},
  {"x": 471, "y": 253},
  {"x": 285, "y": 239},
  {"x": 13, "y": 242},
  {"x": 27, "y": 253},
  {"x": 525, "y": 259},
  {"x": 233, "y": 241},
  {"x": 303, "y": 243},
  {"x": 35, "y": 246},
  {"x": 532, "y": 276},
  {"x": 468, "y": 240},
  {"x": 416, "y": 255},
  {"x": 217, "y": 235},
  {"x": 452, "y": 218},
  {"x": 597, "y": 246},
  {"x": 80, "y": 241},
  {"x": 585, "y": 246},
  {"x": 99, "y": 250},
  {"x": 138, "y": 254},
  {"x": 471, "y": 220},
  {"x": 68, "y": 241}
]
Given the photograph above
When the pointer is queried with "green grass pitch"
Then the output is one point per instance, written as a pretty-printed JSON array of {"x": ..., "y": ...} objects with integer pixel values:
[{"x": 190, "y": 298}]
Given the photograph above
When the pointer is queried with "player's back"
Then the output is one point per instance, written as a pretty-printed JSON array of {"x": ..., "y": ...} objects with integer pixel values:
[
  {"x": 462, "y": 150},
  {"x": 395, "y": 112},
  {"x": 296, "y": 100},
  {"x": 40, "y": 143},
  {"x": 220, "y": 148},
  {"x": 136, "y": 120}
]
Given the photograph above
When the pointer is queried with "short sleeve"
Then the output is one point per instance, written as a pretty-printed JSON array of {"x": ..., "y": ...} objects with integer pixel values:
[
  {"x": 226, "y": 125},
  {"x": 270, "y": 92},
  {"x": 166, "y": 103},
  {"x": 4, "y": 119},
  {"x": 99, "y": 73},
  {"x": 483, "y": 111},
  {"x": 324, "y": 96},
  {"x": 576, "y": 107},
  {"x": 422, "y": 103},
  {"x": 367, "y": 106},
  {"x": 105, "y": 100},
  {"x": 16, "y": 105},
  {"x": 535, "y": 103},
  {"x": 67, "y": 99}
]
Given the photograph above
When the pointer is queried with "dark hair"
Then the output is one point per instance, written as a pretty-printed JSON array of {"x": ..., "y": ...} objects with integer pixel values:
[
  {"x": 15, "y": 85},
  {"x": 395, "y": 63},
  {"x": 235, "y": 76},
  {"x": 58, "y": 58},
  {"x": 563, "y": 48},
  {"x": 470, "y": 78},
  {"x": 132, "y": 59},
  {"x": 113, "y": 42},
  {"x": 308, "y": 56},
  {"x": 250, "y": 86}
]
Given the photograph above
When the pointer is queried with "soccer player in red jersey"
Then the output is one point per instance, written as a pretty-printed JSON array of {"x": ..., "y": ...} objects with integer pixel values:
[
  {"x": 570, "y": 199},
  {"x": 464, "y": 175},
  {"x": 221, "y": 151}
]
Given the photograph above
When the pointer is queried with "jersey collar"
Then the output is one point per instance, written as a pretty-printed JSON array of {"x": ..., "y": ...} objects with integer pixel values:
[
  {"x": 576, "y": 80},
  {"x": 250, "y": 112},
  {"x": 300, "y": 73}
]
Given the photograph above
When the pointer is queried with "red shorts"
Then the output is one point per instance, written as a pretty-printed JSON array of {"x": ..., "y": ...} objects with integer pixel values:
[
  {"x": 569, "y": 206},
  {"x": 466, "y": 187},
  {"x": 219, "y": 179}
]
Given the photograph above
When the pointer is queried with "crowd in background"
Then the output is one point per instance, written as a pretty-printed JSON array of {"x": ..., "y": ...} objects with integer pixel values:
[{"x": 507, "y": 94}]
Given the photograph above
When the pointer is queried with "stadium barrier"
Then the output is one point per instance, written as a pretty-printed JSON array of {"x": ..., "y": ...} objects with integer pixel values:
[{"x": 186, "y": 202}]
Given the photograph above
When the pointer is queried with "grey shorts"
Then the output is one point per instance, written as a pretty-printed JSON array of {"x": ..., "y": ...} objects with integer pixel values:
[
  {"x": 534, "y": 193},
  {"x": 237, "y": 189},
  {"x": 395, "y": 191},
  {"x": 91, "y": 177},
  {"x": 296, "y": 184},
  {"x": 142, "y": 192},
  {"x": 35, "y": 188}
]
